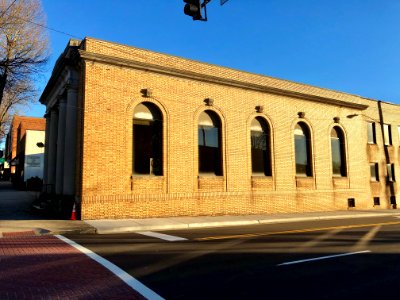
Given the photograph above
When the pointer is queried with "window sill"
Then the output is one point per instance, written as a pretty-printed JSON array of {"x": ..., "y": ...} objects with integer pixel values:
[
  {"x": 306, "y": 183},
  {"x": 147, "y": 176},
  {"x": 262, "y": 182},
  {"x": 340, "y": 182},
  {"x": 303, "y": 176},
  {"x": 211, "y": 183},
  {"x": 147, "y": 184}
]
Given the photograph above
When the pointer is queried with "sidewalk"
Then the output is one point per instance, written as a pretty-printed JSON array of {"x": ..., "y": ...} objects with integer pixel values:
[
  {"x": 131, "y": 225},
  {"x": 108, "y": 226},
  {"x": 46, "y": 267},
  {"x": 16, "y": 215}
]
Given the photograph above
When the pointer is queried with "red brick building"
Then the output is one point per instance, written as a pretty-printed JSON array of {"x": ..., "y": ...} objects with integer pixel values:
[{"x": 16, "y": 145}]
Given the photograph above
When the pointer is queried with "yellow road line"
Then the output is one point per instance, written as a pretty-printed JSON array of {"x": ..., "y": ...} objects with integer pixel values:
[{"x": 250, "y": 235}]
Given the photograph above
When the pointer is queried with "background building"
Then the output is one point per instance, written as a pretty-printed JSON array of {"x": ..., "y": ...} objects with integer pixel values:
[
  {"x": 26, "y": 159},
  {"x": 188, "y": 138}
]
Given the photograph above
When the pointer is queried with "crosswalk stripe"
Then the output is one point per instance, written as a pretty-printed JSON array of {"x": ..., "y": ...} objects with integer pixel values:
[{"x": 124, "y": 276}]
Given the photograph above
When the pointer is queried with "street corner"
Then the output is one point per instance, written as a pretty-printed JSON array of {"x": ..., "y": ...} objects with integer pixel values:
[{"x": 51, "y": 266}]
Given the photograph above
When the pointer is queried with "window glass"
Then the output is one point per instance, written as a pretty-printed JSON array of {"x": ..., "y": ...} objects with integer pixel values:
[
  {"x": 387, "y": 134},
  {"x": 209, "y": 141},
  {"x": 374, "y": 172},
  {"x": 338, "y": 152},
  {"x": 390, "y": 172},
  {"x": 260, "y": 147},
  {"x": 302, "y": 150},
  {"x": 371, "y": 133},
  {"x": 398, "y": 133},
  {"x": 147, "y": 140}
]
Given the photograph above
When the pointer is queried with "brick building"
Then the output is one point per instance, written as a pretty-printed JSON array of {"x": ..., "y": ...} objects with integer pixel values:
[
  {"x": 134, "y": 133},
  {"x": 22, "y": 153}
]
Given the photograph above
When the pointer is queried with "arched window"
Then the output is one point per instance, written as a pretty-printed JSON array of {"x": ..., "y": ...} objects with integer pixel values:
[
  {"x": 210, "y": 149},
  {"x": 260, "y": 147},
  {"x": 302, "y": 142},
  {"x": 147, "y": 140},
  {"x": 338, "y": 152}
]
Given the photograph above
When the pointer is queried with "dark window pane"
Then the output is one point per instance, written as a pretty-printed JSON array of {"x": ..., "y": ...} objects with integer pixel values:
[
  {"x": 301, "y": 154},
  {"x": 371, "y": 133},
  {"x": 147, "y": 140},
  {"x": 302, "y": 145},
  {"x": 390, "y": 172},
  {"x": 387, "y": 134},
  {"x": 260, "y": 153},
  {"x": 209, "y": 139},
  {"x": 374, "y": 172},
  {"x": 336, "y": 156},
  {"x": 260, "y": 148},
  {"x": 338, "y": 152}
]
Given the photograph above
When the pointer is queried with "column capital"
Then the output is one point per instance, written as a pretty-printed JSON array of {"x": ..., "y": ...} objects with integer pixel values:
[
  {"x": 71, "y": 84},
  {"x": 54, "y": 110},
  {"x": 61, "y": 99}
]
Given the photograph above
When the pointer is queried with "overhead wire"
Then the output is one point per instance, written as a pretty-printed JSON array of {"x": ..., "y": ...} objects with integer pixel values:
[{"x": 127, "y": 52}]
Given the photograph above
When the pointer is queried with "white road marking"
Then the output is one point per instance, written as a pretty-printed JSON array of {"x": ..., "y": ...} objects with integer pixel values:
[
  {"x": 166, "y": 237},
  {"x": 317, "y": 240},
  {"x": 321, "y": 258},
  {"x": 364, "y": 241},
  {"x": 125, "y": 277}
]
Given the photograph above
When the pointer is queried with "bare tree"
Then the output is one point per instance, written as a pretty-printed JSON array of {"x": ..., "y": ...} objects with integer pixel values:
[{"x": 23, "y": 54}]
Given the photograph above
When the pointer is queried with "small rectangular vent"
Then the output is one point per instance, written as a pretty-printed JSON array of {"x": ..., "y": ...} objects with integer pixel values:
[{"x": 351, "y": 202}]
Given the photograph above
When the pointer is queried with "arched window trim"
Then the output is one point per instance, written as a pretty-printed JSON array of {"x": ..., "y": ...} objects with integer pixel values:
[
  {"x": 302, "y": 145},
  {"x": 341, "y": 136}
]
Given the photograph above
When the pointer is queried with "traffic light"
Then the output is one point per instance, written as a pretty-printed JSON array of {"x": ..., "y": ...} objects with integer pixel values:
[{"x": 193, "y": 9}]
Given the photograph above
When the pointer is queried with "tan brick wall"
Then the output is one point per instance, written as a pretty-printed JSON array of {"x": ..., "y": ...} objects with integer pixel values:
[
  {"x": 111, "y": 93},
  {"x": 378, "y": 153}
]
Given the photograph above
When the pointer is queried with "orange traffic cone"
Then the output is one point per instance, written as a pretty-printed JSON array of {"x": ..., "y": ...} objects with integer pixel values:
[{"x": 73, "y": 214}]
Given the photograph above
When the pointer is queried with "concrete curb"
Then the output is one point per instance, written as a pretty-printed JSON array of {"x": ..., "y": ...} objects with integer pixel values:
[
  {"x": 49, "y": 230},
  {"x": 319, "y": 218},
  {"x": 110, "y": 228}
]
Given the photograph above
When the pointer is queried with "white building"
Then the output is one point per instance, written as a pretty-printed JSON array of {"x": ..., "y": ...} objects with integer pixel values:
[{"x": 34, "y": 155}]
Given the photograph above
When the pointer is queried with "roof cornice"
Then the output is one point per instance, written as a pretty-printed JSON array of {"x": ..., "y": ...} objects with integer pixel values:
[{"x": 129, "y": 63}]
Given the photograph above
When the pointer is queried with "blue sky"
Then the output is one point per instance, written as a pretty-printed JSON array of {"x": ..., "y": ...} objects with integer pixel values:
[{"x": 347, "y": 45}]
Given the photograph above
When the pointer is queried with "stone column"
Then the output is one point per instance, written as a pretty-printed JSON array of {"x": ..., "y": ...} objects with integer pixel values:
[
  {"x": 70, "y": 141},
  {"x": 52, "y": 152},
  {"x": 60, "y": 146},
  {"x": 46, "y": 149}
]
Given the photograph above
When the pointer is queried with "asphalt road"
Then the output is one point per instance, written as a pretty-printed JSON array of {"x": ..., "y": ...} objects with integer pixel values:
[{"x": 337, "y": 259}]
